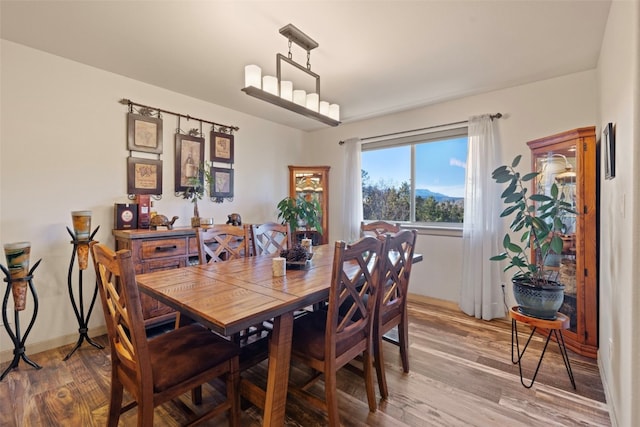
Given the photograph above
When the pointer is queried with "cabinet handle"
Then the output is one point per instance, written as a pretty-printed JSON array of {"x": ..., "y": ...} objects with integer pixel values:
[{"x": 165, "y": 248}]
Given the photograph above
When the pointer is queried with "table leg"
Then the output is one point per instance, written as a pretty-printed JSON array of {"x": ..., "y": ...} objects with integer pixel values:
[{"x": 278, "y": 374}]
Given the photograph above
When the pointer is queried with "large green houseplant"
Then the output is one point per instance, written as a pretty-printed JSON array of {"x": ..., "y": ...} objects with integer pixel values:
[
  {"x": 536, "y": 228},
  {"x": 300, "y": 212}
]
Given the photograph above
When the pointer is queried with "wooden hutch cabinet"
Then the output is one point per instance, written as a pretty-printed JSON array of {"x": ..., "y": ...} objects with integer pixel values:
[
  {"x": 312, "y": 182},
  {"x": 154, "y": 250},
  {"x": 568, "y": 159}
]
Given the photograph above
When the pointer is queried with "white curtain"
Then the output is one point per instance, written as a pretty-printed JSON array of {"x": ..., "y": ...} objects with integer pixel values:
[
  {"x": 481, "y": 291},
  {"x": 352, "y": 196}
]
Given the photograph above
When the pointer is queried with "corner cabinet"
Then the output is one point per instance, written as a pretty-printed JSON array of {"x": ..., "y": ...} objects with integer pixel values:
[
  {"x": 312, "y": 183},
  {"x": 154, "y": 250},
  {"x": 569, "y": 160}
]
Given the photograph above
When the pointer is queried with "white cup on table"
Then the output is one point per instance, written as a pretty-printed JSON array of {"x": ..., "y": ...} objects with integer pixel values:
[{"x": 279, "y": 267}]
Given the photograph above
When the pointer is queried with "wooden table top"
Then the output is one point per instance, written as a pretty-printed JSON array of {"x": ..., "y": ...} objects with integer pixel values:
[{"x": 233, "y": 295}]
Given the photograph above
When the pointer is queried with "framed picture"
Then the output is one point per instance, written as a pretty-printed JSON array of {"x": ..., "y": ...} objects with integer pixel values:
[
  {"x": 609, "y": 151},
  {"x": 144, "y": 133},
  {"x": 144, "y": 176},
  {"x": 189, "y": 158},
  {"x": 221, "y": 147},
  {"x": 221, "y": 182}
]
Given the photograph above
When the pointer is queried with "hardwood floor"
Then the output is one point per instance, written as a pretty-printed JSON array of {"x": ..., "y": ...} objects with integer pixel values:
[{"x": 461, "y": 375}]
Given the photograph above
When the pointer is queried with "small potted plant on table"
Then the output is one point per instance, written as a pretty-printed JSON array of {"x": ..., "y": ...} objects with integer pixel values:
[
  {"x": 537, "y": 219},
  {"x": 300, "y": 211}
]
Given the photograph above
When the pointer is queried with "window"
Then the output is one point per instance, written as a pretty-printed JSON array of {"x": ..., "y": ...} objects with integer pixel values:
[{"x": 417, "y": 179}]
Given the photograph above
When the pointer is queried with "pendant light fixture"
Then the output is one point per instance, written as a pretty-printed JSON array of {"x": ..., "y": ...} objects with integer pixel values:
[{"x": 283, "y": 92}]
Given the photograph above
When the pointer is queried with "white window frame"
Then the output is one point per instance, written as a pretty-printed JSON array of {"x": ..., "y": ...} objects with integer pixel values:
[{"x": 433, "y": 228}]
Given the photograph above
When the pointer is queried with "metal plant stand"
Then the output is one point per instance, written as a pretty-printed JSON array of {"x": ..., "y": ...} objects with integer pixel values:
[
  {"x": 83, "y": 320},
  {"x": 16, "y": 338}
]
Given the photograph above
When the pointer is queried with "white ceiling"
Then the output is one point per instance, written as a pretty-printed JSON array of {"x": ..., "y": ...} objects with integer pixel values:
[{"x": 374, "y": 57}]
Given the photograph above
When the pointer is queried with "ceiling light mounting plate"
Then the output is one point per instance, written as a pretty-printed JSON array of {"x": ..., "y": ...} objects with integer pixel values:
[{"x": 294, "y": 34}]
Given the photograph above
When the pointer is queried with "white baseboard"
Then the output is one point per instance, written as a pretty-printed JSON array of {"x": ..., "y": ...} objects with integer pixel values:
[
  {"x": 607, "y": 392},
  {"x": 32, "y": 349}
]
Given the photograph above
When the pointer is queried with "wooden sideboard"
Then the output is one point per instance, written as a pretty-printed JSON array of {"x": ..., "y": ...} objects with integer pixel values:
[{"x": 154, "y": 250}]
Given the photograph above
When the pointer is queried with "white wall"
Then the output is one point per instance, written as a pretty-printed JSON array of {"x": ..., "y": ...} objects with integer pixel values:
[
  {"x": 619, "y": 85},
  {"x": 530, "y": 112},
  {"x": 63, "y": 148}
]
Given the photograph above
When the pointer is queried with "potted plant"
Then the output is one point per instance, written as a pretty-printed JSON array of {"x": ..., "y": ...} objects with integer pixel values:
[
  {"x": 537, "y": 218},
  {"x": 300, "y": 212},
  {"x": 196, "y": 190}
]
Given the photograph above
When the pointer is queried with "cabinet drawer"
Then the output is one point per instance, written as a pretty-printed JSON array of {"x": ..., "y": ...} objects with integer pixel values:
[{"x": 163, "y": 248}]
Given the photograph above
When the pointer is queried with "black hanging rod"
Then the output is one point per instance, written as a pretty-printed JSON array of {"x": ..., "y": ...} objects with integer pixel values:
[
  {"x": 125, "y": 101},
  {"x": 491, "y": 116}
]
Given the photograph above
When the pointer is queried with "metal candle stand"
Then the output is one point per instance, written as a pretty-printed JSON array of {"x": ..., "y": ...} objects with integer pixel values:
[
  {"x": 18, "y": 341},
  {"x": 83, "y": 320}
]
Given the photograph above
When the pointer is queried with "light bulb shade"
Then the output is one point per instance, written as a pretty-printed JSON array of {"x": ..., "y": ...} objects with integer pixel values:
[
  {"x": 286, "y": 90},
  {"x": 270, "y": 84},
  {"x": 300, "y": 97},
  {"x": 324, "y": 108},
  {"x": 253, "y": 76},
  {"x": 312, "y": 101},
  {"x": 334, "y": 112}
]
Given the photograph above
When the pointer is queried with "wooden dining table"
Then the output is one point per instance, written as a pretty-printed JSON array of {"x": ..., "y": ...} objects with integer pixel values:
[{"x": 231, "y": 296}]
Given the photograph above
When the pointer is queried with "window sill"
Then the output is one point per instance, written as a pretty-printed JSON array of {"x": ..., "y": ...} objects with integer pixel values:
[{"x": 435, "y": 230}]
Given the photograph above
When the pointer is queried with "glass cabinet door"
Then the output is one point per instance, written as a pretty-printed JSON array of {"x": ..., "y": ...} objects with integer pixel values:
[
  {"x": 560, "y": 167},
  {"x": 311, "y": 183}
]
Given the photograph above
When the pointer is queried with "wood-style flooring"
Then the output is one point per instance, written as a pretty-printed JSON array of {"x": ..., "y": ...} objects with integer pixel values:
[{"x": 461, "y": 375}]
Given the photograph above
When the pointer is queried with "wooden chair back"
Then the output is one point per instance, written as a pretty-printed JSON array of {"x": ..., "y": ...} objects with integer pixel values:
[
  {"x": 222, "y": 242},
  {"x": 391, "y": 308},
  {"x": 377, "y": 228},
  {"x": 353, "y": 295},
  {"x": 123, "y": 313},
  {"x": 269, "y": 238}
]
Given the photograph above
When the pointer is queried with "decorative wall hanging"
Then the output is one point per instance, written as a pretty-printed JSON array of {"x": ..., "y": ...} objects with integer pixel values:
[
  {"x": 189, "y": 157},
  {"x": 221, "y": 147},
  {"x": 221, "y": 183},
  {"x": 144, "y": 133},
  {"x": 144, "y": 176}
]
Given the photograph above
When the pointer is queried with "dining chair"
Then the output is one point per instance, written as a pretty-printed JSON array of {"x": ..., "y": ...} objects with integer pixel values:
[
  {"x": 391, "y": 305},
  {"x": 269, "y": 238},
  {"x": 222, "y": 242},
  {"x": 154, "y": 371},
  {"x": 377, "y": 228},
  {"x": 325, "y": 340}
]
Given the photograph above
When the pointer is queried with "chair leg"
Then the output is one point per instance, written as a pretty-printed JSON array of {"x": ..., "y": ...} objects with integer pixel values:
[
  {"x": 331, "y": 397},
  {"x": 367, "y": 364},
  {"x": 196, "y": 395},
  {"x": 378, "y": 357},
  {"x": 403, "y": 342},
  {"x": 115, "y": 403},
  {"x": 145, "y": 412}
]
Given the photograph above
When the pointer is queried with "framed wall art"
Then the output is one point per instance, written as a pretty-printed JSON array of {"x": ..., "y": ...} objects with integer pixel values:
[
  {"x": 144, "y": 176},
  {"x": 221, "y": 147},
  {"x": 189, "y": 158},
  {"x": 221, "y": 182},
  {"x": 144, "y": 133},
  {"x": 609, "y": 147}
]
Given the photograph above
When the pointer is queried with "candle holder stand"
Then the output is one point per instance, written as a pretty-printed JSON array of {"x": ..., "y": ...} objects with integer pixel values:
[
  {"x": 83, "y": 319},
  {"x": 16, "y": 338}
]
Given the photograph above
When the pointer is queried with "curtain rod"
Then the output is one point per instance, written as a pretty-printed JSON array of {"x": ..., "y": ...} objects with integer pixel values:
[
  {"x": 491, "y": 116},
  {"x": 160, "y": 110}
]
